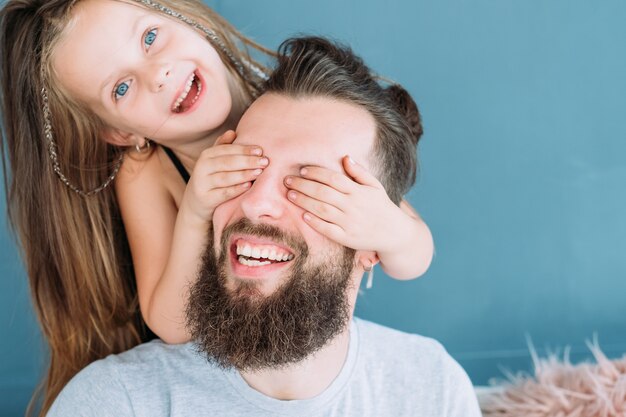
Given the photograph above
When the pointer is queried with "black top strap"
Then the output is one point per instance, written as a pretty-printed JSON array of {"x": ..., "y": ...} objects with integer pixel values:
[{"x": 179, "y": 165}]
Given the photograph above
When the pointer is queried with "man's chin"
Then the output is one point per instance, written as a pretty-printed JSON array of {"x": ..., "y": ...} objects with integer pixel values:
[
  {"x": 261, "y": 284},
  {"x": 254, "y": 290}
]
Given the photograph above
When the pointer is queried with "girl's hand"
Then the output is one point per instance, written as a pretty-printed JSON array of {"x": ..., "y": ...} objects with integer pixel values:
[
  {"x": 223, "y": 171},
  {"x": 352, "y": 210}
]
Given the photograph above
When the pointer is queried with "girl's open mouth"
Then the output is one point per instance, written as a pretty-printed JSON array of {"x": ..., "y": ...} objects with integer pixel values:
[{"x": 189, "y": 95}]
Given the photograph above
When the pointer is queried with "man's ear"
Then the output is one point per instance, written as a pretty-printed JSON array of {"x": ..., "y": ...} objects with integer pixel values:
[
  {"x": 367, "y": 260},
  {"x": 120, "y": 138}
]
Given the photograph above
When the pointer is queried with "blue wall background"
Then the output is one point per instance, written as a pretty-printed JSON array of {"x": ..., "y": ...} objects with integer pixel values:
[{"x": 523, "y": 172}]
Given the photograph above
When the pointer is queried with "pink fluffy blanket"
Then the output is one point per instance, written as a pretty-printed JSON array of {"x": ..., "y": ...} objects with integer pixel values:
[{"x": 560, "y": 389}]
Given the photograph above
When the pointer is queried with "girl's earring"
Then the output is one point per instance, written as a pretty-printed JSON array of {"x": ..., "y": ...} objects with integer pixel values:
[{"x": 143, "y": 148}]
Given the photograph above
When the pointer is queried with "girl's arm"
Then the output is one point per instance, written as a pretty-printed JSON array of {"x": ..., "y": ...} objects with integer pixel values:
[
  {"x": 356, "y": 212},
  {"x": 167, "y": 244},
  {"x": 411, "y": 250},
  {"x": 150, "y": 215}
]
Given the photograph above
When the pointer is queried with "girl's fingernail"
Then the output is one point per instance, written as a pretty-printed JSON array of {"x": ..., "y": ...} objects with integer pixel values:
[
  {"x": 264, "y": 161},
  {"x": 288, "y": 180},
  {"x": 257, "y": 151},
  {"x": 291, "y": 195},
  {"x": 257, "y": 171},
  {"x": 307, "y": 217},
  {"x": 303, "y": 171},
  {"x": 246, "y": 185},
  {"x": 350, "y": 160}
]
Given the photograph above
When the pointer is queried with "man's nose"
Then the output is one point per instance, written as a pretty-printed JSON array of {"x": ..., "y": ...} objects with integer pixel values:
[{"x": 266, "y": 199}]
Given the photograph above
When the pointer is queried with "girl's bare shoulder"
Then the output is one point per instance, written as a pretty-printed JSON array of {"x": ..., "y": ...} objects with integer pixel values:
[{"x": 151, "y": 173}]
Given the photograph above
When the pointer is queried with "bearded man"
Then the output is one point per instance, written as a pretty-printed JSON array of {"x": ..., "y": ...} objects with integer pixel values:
[{"x": 271, "y": 312}]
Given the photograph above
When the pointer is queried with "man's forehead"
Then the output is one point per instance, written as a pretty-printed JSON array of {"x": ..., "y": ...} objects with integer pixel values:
[{"x": 315, "y": 130}]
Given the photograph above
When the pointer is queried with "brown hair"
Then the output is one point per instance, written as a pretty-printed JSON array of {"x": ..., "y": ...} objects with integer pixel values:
[
  {"x": 74, "y": 247},
  {"x": 313, "y": 66}
]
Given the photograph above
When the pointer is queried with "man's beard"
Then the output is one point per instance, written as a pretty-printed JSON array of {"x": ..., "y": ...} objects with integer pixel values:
[{"x": 241, "y": 328}]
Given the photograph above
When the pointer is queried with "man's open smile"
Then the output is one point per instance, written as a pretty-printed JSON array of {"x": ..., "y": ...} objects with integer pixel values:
[{"x": 257, "y": 257}]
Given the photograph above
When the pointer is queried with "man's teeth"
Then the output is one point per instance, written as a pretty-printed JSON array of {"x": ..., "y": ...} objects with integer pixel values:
[
  {"x": 263, "y": 255},
  {"x": 185, "y": 92},
  {"x": 252, "y": 262}
]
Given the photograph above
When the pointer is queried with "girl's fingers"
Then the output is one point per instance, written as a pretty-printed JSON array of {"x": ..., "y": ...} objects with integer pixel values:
[
  {"x": 330, "y": 230},
  {"x": 358, "y": 172},
  {"x": 219, "y": 195},
  {"x": 218, "y": 151},
  {"x": 229, "y": 163},
  {"x": 227, "y": 138},
  {"x": 227, "y": 179},
  {"x": 316, "y": 190},
  {"x": 322, "y": 210},
  {"x": 334, "y": 179}
]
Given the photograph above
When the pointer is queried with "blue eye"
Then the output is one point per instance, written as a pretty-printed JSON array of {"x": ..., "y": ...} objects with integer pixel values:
[
  {"x": 149, "y": 38},
  {"x": 121, "y": 89}
]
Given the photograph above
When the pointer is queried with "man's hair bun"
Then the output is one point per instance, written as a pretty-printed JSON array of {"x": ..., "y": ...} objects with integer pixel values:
[{"x": 405, "y": 105}]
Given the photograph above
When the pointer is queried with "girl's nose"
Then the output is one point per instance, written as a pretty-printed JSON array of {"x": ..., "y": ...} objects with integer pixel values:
[{"x": 158, "y": 76}]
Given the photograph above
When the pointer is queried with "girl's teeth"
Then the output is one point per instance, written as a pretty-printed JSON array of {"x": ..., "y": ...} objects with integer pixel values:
[
  {"x": 185, "y": 92},
  {"x": 183, "y": 95}
]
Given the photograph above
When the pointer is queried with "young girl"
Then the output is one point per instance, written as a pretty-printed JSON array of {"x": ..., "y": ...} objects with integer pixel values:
[{"x": 86, "y": 83}]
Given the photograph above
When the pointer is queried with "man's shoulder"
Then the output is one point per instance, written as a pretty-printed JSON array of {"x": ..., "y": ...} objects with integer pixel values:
[
  {"x": 409, "y": 357},
  {"x": 412, "y": 374},
  {"x": 381, "y": 337},
  {"x": 147, "y": 356},
  {"x": 155, "y": 350},
  {"x": 116, "y": 384},
  {"x": 142, "y": 360}
]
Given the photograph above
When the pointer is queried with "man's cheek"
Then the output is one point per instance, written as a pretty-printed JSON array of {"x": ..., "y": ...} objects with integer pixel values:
[
  {"x": 222, "y": 210},
  {"x": 221, "y": 217},
  {"x": 317, "y": 242},
  {"x": 217, "y": 231},
  {"x": 217, "y": 246}
]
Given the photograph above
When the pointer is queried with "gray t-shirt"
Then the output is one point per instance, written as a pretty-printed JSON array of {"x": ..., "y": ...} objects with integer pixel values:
[{"x": 386, "y": 373}]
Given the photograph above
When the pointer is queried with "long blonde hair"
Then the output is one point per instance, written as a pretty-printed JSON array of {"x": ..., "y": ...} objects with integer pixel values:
[{"x": 74, "y": 247}]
